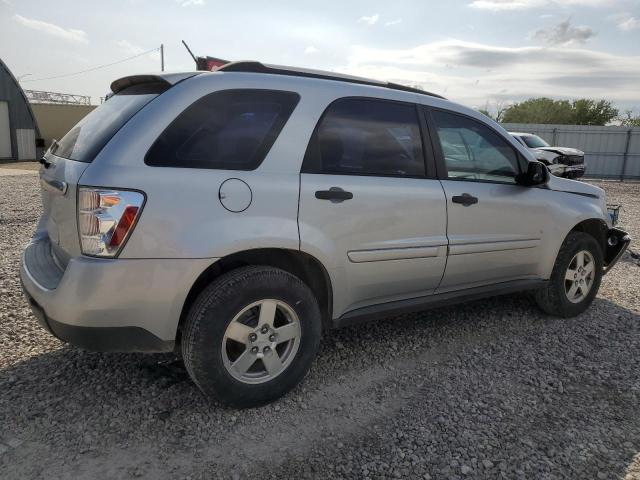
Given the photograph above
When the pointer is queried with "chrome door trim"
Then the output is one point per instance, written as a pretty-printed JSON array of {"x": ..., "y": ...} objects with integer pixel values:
[
  {"x": 378, "y": 255},
  {"x": 499, "y": 246}
]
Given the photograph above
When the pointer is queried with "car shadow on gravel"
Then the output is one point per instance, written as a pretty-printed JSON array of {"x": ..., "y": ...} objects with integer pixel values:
[{"x": 569, "y": 386}]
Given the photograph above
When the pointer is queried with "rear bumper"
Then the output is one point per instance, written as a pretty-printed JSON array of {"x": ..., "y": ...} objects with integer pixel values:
[
  {"x": 614, "y": 252},
  {"x": 100, "y": 339},
  {"x": 110, "y": 305}
]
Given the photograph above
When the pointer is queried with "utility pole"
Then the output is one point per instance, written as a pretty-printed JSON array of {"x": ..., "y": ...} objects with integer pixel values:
[{"x": 162, "y": 57}]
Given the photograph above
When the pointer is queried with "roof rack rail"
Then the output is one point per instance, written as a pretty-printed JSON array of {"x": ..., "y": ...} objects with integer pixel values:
[{"x": 257, "y": 67}]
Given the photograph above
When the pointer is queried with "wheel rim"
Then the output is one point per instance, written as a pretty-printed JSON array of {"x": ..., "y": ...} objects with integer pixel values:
[
  {"x": 261, "y": 341},
  {"x": 579, "y": 277}
]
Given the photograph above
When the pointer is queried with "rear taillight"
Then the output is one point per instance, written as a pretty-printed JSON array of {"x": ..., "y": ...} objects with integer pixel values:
[{"x": 106, "y": 218}]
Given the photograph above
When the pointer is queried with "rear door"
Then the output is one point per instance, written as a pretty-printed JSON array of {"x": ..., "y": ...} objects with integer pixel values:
[
  {"x": 368, "y": 210},
  {"x": 495, "y": 226}
]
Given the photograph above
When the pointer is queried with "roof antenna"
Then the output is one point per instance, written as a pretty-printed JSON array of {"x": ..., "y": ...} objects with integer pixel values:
[{"x": 190, "y": 52}]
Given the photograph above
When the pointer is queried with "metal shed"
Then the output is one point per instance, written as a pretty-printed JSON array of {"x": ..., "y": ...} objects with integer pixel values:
[{"x": 18, "y": 127}]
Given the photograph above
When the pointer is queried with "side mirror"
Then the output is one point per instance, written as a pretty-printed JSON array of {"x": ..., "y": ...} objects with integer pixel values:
[{"x": 536, "y": 174}]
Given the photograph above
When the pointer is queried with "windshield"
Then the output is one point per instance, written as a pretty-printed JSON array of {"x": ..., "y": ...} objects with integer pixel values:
[
  {"x": 86, "y": 139},
  {"x": 534, "y": 141}
]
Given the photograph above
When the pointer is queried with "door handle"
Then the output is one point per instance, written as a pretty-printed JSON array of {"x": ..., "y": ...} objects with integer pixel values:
[
  {"x": 465, "y": 199},
  {"x": 335, "y": 194}
]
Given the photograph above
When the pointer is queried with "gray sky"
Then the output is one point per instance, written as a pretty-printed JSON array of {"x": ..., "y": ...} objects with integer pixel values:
[{"x": 472, "y": 51}]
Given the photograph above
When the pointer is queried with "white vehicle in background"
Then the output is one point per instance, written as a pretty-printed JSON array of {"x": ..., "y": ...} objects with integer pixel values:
[{"x": 561, "y": 161}]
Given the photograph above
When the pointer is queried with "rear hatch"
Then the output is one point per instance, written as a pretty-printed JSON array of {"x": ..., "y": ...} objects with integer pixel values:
[{"x": 66, "y": 160}]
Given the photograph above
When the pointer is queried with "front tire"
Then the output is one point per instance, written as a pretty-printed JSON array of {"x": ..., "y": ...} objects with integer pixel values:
[
  {"x": 575, "y": 279},
  {"x": 251, "y": 336}
]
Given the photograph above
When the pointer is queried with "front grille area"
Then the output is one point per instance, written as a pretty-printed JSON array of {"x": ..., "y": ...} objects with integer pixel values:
[{"x": 571, "y": 159}]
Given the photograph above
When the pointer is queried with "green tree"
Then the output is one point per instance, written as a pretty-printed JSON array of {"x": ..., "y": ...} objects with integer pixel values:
[
  {"x": 564, "y": 112},
  {"x": 590, "y": 112},
  {"x": 539, "y": 110}
]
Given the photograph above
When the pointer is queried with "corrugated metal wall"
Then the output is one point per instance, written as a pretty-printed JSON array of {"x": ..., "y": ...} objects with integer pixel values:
[
  {"x": 26, "y": 140},
  {"x": 610, "y": 152}
]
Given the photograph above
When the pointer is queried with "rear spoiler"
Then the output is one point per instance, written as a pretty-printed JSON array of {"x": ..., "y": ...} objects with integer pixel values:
[{"x": 169, "y": 79}]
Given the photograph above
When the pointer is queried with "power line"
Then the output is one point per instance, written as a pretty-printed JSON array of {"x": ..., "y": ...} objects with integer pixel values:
[{"x": 92, "y": 68}]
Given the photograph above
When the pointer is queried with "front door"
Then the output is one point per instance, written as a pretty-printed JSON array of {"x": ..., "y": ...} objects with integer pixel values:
[
  {"x": 368, "y": 211},
  {"x": 495, "y": 226}
]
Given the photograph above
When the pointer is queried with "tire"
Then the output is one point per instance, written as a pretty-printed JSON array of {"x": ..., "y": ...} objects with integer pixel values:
[
  {"x": 556, "y": 298},
  {"x": 215, "y": 360}
]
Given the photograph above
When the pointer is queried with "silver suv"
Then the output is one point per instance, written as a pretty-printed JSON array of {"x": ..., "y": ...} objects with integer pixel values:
[{"x": 233, "y": 216}]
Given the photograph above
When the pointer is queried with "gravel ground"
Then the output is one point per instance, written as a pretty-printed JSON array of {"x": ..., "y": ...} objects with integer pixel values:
[{"x": 491, "y": 389}]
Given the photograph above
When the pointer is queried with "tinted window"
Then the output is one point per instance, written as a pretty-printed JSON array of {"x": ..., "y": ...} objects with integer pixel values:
[
  {"x": 367, "y": 137},
  {"x": 472, "y": 151},
  {"x": 86, "y": 139},
  {"x": 230, "y": 129}
]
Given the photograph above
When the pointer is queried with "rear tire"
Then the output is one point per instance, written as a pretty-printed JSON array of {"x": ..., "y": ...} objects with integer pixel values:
[
  {"x": 251, "y": 336},
  {"x": 575, "y": 279}
]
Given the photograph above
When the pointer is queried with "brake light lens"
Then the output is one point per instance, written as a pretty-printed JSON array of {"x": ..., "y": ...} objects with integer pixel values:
[{"x": 106, "y": 218}]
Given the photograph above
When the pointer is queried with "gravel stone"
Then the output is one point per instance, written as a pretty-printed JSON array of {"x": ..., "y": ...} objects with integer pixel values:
[{"x": 434, "y": 394}]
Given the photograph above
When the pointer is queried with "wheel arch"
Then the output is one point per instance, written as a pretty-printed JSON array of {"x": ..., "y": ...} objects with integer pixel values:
[
  {"x": 306, "y": 267},
  {"x": 597, "y": 228}
]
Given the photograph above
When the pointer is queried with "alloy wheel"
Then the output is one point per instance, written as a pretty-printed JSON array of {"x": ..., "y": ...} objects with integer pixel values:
[
  {"x": 579, "y": 276},
  {"x": 261, "y": 341}
]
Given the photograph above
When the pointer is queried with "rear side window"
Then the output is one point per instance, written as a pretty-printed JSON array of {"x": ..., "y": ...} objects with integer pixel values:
[
  {"x": 91, "y": 134},
  {"x": 367, "y": 137},
  {"x": 229, "y": 129}
]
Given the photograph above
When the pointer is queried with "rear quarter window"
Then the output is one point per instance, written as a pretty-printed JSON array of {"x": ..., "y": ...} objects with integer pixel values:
[{"x": 229, "y": 129}]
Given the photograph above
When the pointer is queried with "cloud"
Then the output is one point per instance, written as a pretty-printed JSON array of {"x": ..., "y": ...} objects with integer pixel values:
[
  {"x": 506, "y": 5},
  {"x": 393, "y": 22},
  {"x": 472, "y": 73},
  {"x": 501, "y": 5},
  {"x": 564, "y": 34},
  {"x": 130, "y": 48},
  {"x": 69, "y": 34},
  {"x": 310, "y": 50},
  {"x": 625, "y": 21},
  {"x": 190, "y": 3},
  {"x": 369, "y": 20}
]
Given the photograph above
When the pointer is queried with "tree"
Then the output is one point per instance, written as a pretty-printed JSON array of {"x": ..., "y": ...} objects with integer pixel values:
[
  {"x": 498, "y": 108},
  {"x": 564, "y": 112},
  {"x": 539, "y": 110},
  {"x": 628, "y": 120},
  {"x": 590, "y": 112}
]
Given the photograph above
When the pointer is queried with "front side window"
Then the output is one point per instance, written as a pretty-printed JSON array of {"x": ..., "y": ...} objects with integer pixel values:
[
  {"x": 473, "y": 151},
  {"x": 367, "y": 137},
  {"x": 229, "y": 129}
]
